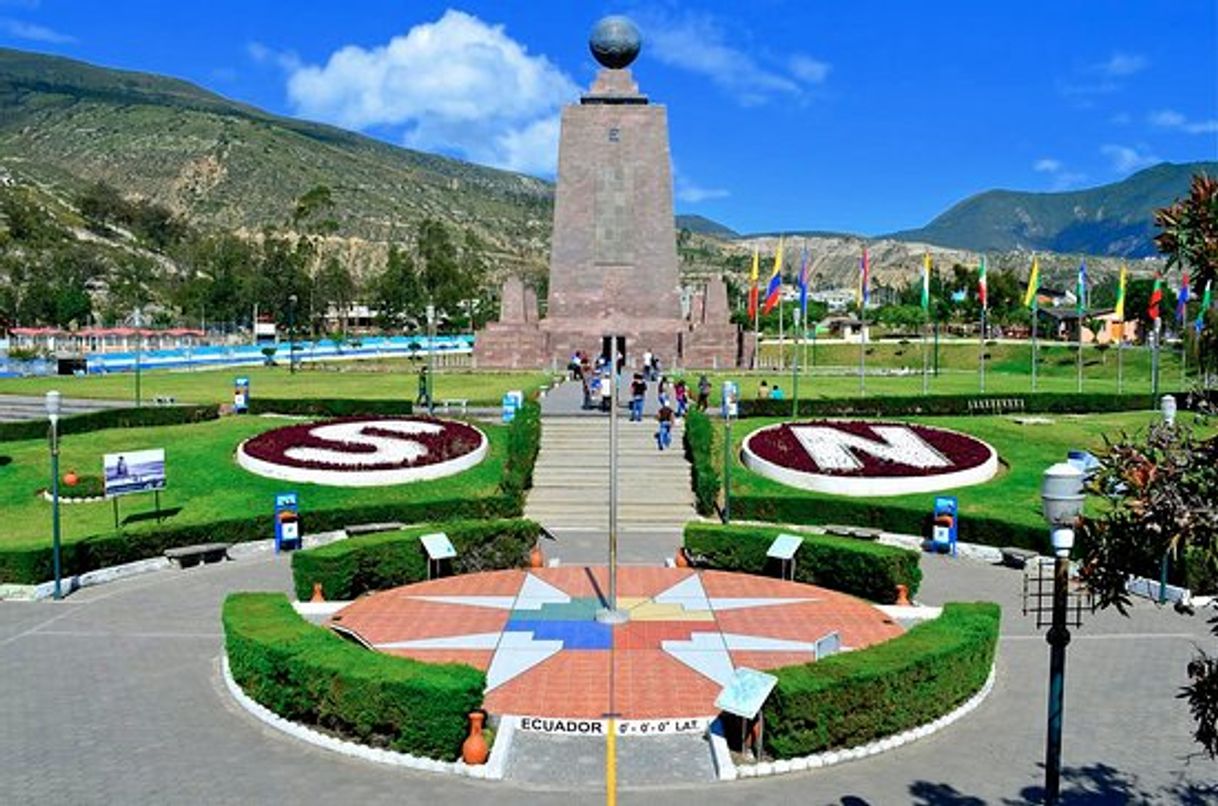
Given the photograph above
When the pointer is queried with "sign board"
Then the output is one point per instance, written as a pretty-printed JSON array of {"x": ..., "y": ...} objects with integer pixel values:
[
  {"x": 438, "y": 546},
  {"x": 287, "y": 522},
  {"x": 134, "y": 472},
  {"x": 512, "y": 401},
  {"x": 784, "y": 547},
  {"x": 746, "y": 692},
  {"x": 945, "y": 524},
  {"x": 731, "y": 398},
  {"x": 241, "y": 395}
]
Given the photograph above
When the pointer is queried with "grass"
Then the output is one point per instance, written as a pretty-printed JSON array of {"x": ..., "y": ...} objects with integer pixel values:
[
  {"x": 204, "y": 480},
  {"x": 1012, "y": 496},
  {"x": 380, "y": 380}
]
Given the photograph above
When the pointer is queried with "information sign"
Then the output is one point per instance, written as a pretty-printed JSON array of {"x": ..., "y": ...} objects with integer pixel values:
[
  {"x": 241, "y": 395},
  {"x": 746, "y": 692},
  {"x": 134, "y": 472},
  {"x": 287, "y": 522}
]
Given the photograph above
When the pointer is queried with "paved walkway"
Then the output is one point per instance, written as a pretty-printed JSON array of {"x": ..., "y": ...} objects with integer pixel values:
[
  {"x": 113, "y": 696},
  {"x": 14, "y": 408}
]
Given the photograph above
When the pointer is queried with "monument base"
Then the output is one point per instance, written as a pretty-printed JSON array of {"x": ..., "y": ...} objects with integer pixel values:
[{"x": 504, "y": 345}]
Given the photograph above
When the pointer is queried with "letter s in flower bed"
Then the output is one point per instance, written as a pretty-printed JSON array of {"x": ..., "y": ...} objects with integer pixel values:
[
  {"x": 868, "y": 458},
  {"x": 364, "y": 451}
]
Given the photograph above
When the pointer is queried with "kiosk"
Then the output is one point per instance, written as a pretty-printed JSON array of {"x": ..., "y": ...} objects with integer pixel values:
[{"x": 287, "y": 522}]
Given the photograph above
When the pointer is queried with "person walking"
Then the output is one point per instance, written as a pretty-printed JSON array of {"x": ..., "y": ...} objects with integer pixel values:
[
  {"x": 704, "y": 390},
  {"x": 647, "y": 365},
  {"x": 638, "y": 391},
  {"x": 663, "y": 391},
  {"x": 681, "y": 394},
  {"x": 423, "y": 399},
  {"x": 664, "y": 434},
  {"x": 606, "y": 391}
]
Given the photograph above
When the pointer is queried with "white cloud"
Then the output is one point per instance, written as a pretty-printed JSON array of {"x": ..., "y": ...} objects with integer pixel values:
[
  {"x": 456, "y": 85},
  {"x": 1122, "y": 64},
  {"x": 1126, "y": 159},
  {"x": 1062, "y": 178},
  {"x": 694, "y": 194},
  {"x": 286, "y": 60},
  {"x": 1047, "y": 165},
  {"x": 698, "y": 43},
  {"x": 1171, "y": 119},
  {"x": 18, "y": 29}
]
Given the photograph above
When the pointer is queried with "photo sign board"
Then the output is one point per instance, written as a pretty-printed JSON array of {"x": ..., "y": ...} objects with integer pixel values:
[{"x": 134, "y": 472}]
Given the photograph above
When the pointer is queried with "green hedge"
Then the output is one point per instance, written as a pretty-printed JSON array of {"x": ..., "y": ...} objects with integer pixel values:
[
  {"x": 703, "y": 476},
  {"x": 349, "y": 568},
  {"x": 143, "y": 417},
  {"x": 853, "y": 698},
  {"x": 308, "y": 674},
  {"x": 858, "y": 567},
  {"x": 1040, "y": 403},
  {"x": 524, "y": 441},
  {"x": 328, "y": 407}
]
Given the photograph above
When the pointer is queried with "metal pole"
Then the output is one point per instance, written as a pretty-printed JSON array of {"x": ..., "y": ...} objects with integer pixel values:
[
  {"x": 862, "y": 348},
  {"x": 431, "y": 350},
  {"x": 58, "y": 593},
  {"x": 1120, "y": 357},
  {"x": 936, "y": 348},
  {"x": 757, "y": 336},
  {"x": 1035, "y": 325},
  {"x": 611, "y": 614},
  {"x": 1058, "y": 638},
  {"x": 795, "y": 366},
  {"x": 981, "y": 355},
  {"x": 138, "y": 344},
  {"x": 782, "y": 345},
  {"x": 292, "y": 334},
  {"x": 1080, "y": 353},
  {"x": 1154, "y": 357},
  {"x": 727, "y": 469},
  {"x": 925, "y": 363}
]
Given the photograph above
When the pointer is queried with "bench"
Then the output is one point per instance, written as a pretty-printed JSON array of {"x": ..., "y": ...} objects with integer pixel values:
[
  {"x": 165, "y": 400},
  {"x": 188, "y": 556},
  {"x": 372, "y": 528},
  {"x": 861, "y": 532},
  {"x": 448, "y": 403},
  {"x": 995, "y": 405},
  {"x": 1017, "y": 557}
]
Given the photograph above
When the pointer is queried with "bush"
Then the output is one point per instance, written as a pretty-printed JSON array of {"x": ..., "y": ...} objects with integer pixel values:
[
  {"x": 524, "y": 441},
  {"x": 1040, "y": 402},
  {"x": 699, "y": 438},
  {"x": 142, "y": 417},
  {"x": 350, "y": 568},
  {"x": 308, "y": 674},
  {"x": 328, "y": 407},
  {"x": 856, "y": 697},
  {"x": 857, "y": 567}
]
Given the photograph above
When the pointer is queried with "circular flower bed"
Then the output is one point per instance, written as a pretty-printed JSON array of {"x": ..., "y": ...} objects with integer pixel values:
[
  {"x": 364, "y": 451},
  {"x": 868, "y": 458}
]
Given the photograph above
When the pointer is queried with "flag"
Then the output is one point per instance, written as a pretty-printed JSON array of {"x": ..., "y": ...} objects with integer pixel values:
[
  {"x": 1156, "y": 296},
  {"x": 982, "y": 291},
  {"x": 1029, "y": 297},
  {"x": 753, "y": 286},
  {"x": 803, "y": 285},
  {"x": 864, "y": 293},
  {"x": 1119, "y": 311},
  {"x": 1206, "y": 299},
  {"x": 775, "y": 286},
  {"x": 1182, "y": 299},
  {"x": 1080, "y": 290},
  {"x": 926, "y": 282}
]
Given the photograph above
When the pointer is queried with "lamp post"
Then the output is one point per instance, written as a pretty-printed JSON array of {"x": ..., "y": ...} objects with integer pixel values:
[
  {"x": 53, "y": 401},
  {"x": 139, "y": 337},
  {"x": 611, "y": 614},
  {"x": 431, "y": 349},
  {"x": 1061, "y": 494},
  {"x": 731, "y": 394},
  {"x": 292, "y": 300}
]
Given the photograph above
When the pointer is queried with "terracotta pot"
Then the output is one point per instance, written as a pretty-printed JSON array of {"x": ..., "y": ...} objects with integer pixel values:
[
  {"x": 903, "y": 595},
  {"x": 474, "y": 750},
  {"x": 536, "y": 558},
  {"x": 681, "y": 560},
  {"x": 70, "y": 478},
  {"x": 317, "y": 595}
]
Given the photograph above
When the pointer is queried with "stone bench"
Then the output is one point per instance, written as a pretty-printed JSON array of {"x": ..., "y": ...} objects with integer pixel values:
[
  {"x": 861, "y": 532},
  {"x": 991, "y": 405},
  {"x": 1017, "y": 557},
  {"x": 165, "y": 400},
  {"x": 188, "y": 556},
  {"x": 372, "y": 528},
  {"x": 447, "y": 404}
]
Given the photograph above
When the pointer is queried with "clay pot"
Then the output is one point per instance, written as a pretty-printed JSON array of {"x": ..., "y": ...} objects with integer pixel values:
[
  {"x": 70, "y": 478},
  {"x": 474, "y": 750},
  {"x": 903, "y": 595},
  {"x": 682, "y": 561},
  {"x": 317, "y": 595},
  {"x": 536, "y": 558}
]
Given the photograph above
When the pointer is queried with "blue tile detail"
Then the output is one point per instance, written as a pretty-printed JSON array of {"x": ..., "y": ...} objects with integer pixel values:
[{"x": 573, "y": 634}]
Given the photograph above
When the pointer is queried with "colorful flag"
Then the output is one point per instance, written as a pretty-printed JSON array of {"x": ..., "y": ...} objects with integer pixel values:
[
  {"x": 1206, "y": 299},
  {"x": 753, "y": 285},
  {"x": 774, "y": 289},
  {"x": 1080, "y": 291},
  {"x": 1119, "y": 311},
  {"x": 864, "y": 292},
  {"x": 803, "y": 284},
  {"x": 1156, "y": 297},
  {"x": 1029, "y": 297},
  {"x": 926, "y": 282},
  {"x": 1182, "y": 299},
  {"x": 982, "y": 291}
]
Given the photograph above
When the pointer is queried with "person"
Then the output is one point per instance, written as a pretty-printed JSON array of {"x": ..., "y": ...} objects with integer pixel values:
[
  {"x": 763, "y": 390},
  {"x": 647, "y": 365},
  {"x": 663, "y": 390},
  {"x": 423, "y": 398},
  {"x": 704, "y": 389},
  {"x": 586, "y": 382},
  {"x": 776, "y": 393},
  {"x": 120, "y": 470},
  {"x": 682, "y": 396},
  {"x": 638, "y": 391},
  {"x": 573, "y": 366},
  {"x": 664, "y": 434},
  {"x": 606, "y": 391},
  {"x": 655, "y": 367}
]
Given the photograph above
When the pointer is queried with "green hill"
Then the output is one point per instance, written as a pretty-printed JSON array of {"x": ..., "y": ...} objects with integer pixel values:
[{"x": 1111, "y": 219}]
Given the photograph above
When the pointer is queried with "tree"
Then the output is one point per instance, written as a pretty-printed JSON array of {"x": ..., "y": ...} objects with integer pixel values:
[
  {"x": 1160, "y": 491},
  {"x": 336, "y": 287},
  {"x": 1189, "y": 230},
  {"x": 395, "y": 289}
]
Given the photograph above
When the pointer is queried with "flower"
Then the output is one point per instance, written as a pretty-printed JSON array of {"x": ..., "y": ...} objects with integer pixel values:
[{"x": 443, "y": 440}]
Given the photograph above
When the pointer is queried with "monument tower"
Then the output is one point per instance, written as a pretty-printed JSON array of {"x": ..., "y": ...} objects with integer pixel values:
[{"x": 613, "y": 256}]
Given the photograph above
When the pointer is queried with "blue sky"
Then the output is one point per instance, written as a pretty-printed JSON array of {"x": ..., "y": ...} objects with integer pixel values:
[{"x": 784, "y": 115}]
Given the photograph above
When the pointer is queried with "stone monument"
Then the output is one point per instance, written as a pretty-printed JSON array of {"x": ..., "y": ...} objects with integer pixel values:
[{"x": 613, "y": 258}]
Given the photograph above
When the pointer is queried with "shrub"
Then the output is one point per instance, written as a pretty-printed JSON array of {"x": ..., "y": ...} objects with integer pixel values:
[
  {"x": 307, "y": 674},
  {"x": 142, "y": 417},
  {"x": 1040, "y": 402},
  {"x": 857, "y": 567},
  {"x": 349, "y": 568},
  {"x": 856, "y": 697},
  {"x": 328, "y": 407},
  {"x": 524, "y": 441},
  {"x": 699, "y": 438}
]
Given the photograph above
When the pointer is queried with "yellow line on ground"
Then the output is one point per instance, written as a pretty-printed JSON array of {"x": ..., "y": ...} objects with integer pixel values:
[{"x": 611, "y": 764}]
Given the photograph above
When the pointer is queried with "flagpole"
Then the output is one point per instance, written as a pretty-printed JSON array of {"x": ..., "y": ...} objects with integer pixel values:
[
  {"x": 782, "y": 345},
  {"x": 1154, "y": 357},
  {"x": 862, "y": 348},
  {"x": 757, "y": 335},
  {"x": 1035, "y": 325},
  {"x": 981, "y": 355},
  {"x": 925, "y": 365},
  {"x": 1079, "y": 363},
  {"x": 1120, "y": 353},
  {"x": 795, "y": 365}
]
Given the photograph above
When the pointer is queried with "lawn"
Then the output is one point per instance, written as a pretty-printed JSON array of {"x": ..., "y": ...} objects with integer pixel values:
[
  {"x": 205, "y": 483},
  {"x": 363, "y": 380},
  {"x": 1013, "y": 495}
]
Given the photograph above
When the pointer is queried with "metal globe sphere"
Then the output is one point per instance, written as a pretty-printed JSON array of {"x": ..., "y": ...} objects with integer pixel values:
[{"x": 615, "y": 42}]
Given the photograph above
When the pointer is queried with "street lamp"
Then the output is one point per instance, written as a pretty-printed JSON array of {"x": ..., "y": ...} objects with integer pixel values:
[
  {"x": 1062, "y": 496},
  {"x": 53, "y": 401},
  {"x": 431, "y": 349},
  {"x": 729, "y": 403},
  {"x": 1168, "y": 406},
  {"x": 139, "y": 337},
  {"x": 292, "y": 300}
]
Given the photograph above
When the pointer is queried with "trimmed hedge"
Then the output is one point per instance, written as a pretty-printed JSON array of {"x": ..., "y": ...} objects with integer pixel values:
[
  {"x": 704, "y": 478},
  {"x": 143, "y": 417},
  {"x": 349, "y": 568},
  {"x": 308, "y": 674},
  {"x": 1040, "y": 403},
  {"x": 328, "y": 407},
  {"x": 857, "y": 567},
  {"x": 853, "y": 698},
  {"x": 524, "y": 441}
]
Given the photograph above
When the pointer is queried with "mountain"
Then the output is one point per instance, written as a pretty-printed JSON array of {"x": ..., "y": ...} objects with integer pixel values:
[
  {"x": 1111, "y": 219},
  {"x": 700, "y": 225}
]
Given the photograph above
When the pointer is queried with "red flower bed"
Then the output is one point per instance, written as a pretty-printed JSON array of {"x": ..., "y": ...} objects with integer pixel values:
[
  {"x": 457, "y": 439},
  {"x": 778, "y": 444}
]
